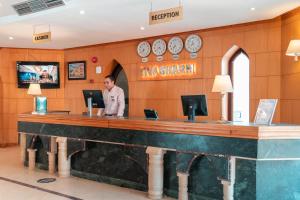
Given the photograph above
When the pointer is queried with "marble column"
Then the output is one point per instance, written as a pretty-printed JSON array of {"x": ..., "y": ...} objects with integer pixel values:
[
  {"x": 23, "y": 147},
  {"x": 228, "y": 185},
  {"x": 156, "y": 172},
  {"x": 183, "y": 186},
  {"x": 51, "y": 155},
  {"x": 31, "y": 158},
  {"x": 64, "y": 163}
]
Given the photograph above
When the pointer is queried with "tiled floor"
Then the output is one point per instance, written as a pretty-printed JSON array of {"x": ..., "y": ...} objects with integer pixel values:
[{"x": 18, "y": 183}]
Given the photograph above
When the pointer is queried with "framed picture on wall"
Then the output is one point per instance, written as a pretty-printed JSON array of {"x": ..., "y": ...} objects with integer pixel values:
[
  {"x": 265, "y": 111},
  {"x": 77, "y": 70}
]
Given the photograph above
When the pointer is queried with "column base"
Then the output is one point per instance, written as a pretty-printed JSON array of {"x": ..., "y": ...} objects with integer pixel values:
[
  {"x": 51, "y": 161},
  {"x": 31, "y": 160},
  {"x": 64, "y": 163}
]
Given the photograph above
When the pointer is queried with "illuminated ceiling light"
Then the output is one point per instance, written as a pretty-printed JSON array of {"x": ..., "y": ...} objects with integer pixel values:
[
  {"x": 82, "y": 12},
  {"x": 142, "y": 28},
  {"x": 11, "y": 38},
  {"x": 253, "y": 9}
]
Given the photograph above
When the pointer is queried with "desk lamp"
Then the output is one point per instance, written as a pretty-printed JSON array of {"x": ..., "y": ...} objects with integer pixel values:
[{"x": 223, "y": 85}]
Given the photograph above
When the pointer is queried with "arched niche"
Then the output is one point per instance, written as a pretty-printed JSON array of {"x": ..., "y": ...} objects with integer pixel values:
[{"x": 119, "y": 73}]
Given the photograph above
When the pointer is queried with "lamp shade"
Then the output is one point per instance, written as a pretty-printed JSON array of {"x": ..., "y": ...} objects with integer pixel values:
[
  {"x": 222, "y": 84},
  {"x": 294, "y": 48},
  {"x": 34, "y": 89}
]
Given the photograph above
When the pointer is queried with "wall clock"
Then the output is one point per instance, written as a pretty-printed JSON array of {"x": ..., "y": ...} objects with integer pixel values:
[
  {"x": 193, "y": 43},
  {"x": 159, "y": 47},
  {"x": 175, "y": 45},
  {"x": 144, "y": 49}
]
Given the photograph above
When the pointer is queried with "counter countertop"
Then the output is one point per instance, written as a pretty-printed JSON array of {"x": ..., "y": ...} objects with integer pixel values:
[{"x": 210, "y": 128}]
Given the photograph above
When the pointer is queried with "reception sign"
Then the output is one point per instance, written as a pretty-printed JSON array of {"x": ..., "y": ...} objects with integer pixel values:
[
  {"x": 41, "y": 37},
  {"x": 167, "y": 71},
  {"x": 168, "y": 15}
]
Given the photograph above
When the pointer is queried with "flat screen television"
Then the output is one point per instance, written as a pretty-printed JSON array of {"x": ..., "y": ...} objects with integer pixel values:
[{"x": 44, "y": 73}]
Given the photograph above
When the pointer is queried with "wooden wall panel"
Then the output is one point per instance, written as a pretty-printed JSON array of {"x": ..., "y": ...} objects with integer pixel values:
[
  {"x": 261, "y": 41},
  {"x": 14, "y": 100},
  {"x": 273, "y": 75},
  {"x": 290, "y": 70}
]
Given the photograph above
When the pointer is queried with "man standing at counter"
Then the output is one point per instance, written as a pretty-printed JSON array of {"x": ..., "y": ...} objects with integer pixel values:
[{"x": 113, "y": 97}]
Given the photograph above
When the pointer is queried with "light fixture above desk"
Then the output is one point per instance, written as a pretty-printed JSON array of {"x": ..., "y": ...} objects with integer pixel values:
[{"x": 294, "y": 49}]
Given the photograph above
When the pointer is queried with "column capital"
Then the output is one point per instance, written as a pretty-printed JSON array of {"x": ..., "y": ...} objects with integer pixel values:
[
  {"x": 31, "y": 150},
  {"x": 61, "y": 139},
  {"x": 225, "y": 182},
  {"x": 182, "y": 174},
  {"x": 155, "y": 151}
]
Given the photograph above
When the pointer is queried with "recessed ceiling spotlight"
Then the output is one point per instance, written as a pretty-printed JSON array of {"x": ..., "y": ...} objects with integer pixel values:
[
  {"x": 142, "y": 28},
  {"x": 252, "y": 9},
  {"x": 82, "y": 12},
  {"x": 11, "y": 38}
]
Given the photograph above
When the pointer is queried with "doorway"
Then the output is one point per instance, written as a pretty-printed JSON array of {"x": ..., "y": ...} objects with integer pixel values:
[{"x": 122, "y": 82}]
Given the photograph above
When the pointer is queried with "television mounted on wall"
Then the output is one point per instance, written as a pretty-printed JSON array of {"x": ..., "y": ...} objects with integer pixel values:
[{"x": 44, "y": 73}]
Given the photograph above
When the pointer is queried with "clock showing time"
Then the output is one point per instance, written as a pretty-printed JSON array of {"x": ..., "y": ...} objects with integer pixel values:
[
  {"x": 144, "y": 49},
  {"x": 175, "y": 45},
  {"x": 193, "y": 43},
  {"x": 159, "y": 47}
]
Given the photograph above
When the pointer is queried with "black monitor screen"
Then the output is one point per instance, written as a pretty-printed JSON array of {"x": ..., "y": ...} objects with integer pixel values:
[
  {"x": 197, "y": 101},
  {"x": 97, "y": 98},
  {"x": 150, "y": 114}
]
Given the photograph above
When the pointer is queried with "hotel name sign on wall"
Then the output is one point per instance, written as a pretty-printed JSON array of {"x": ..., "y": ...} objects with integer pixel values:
[
  {"x": 167, "y": 15},
  {"x": 168, "y": 71},
  {"x": 41, "y": 37}
]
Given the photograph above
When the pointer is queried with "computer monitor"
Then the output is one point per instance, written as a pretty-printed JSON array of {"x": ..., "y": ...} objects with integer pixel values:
[
  {"x": 150, "y": 114},
  {"x": 97, "y": 98},
  {"x": 194, "y": 105}
]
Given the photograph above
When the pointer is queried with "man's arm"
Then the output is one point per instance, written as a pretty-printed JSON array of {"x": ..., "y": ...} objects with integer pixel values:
[
  {"x": 100, "y": 112},
  {"x": 121, "y": 104}
]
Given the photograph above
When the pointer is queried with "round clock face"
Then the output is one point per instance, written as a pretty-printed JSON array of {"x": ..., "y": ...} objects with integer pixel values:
[
  {"x": 144, "y": 49},
  {"x": 193, "y": 43},
  {"x": 175, "y": 45},
  {"x": 159, "y": 47}
]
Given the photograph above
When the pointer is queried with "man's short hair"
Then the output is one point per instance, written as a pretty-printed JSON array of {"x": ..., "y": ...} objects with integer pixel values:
[{"x": 111, "y": 77}]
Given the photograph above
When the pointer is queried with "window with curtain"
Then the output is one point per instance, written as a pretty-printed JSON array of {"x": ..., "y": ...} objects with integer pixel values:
[{"x": 239, "y": 100}]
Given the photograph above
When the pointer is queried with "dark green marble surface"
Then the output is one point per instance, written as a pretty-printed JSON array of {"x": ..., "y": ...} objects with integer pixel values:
[
  {"x": 245, "y": 180},
  {"x": 180, "y": 142},
  {"x": 278, "y": 180},
  {"x": 282, "y": 148},
  {"x": 126, "y": 165}
]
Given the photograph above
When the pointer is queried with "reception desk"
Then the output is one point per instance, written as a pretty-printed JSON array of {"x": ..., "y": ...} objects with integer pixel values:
[{"x": 201, "y": 160}]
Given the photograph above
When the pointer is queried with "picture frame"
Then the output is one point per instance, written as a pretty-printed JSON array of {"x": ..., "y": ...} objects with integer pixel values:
[
  {"x": 265, "y": 111},
  {"x": 77, "y": 70}
]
